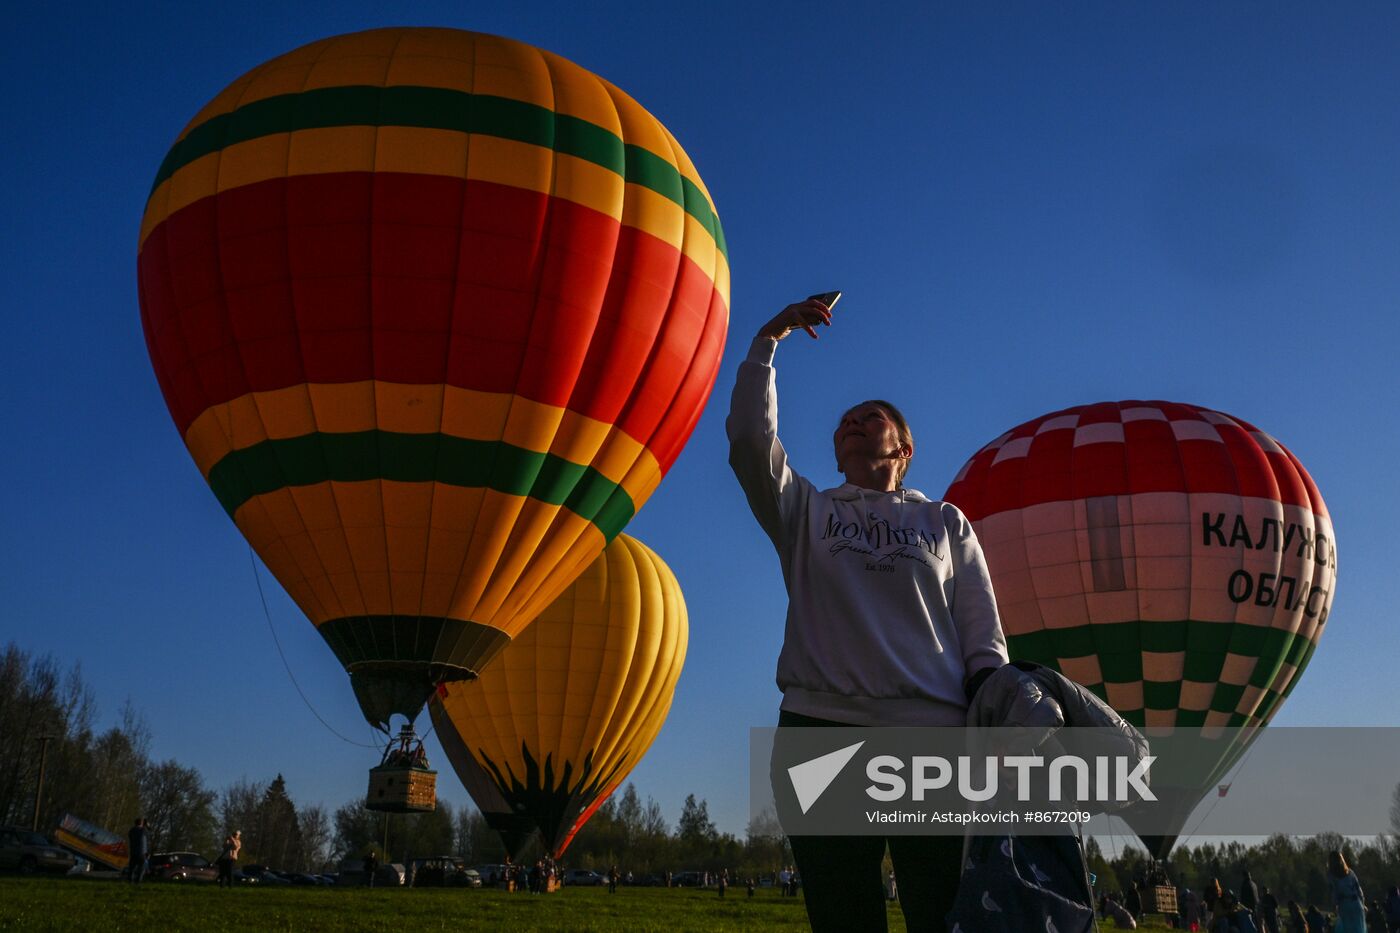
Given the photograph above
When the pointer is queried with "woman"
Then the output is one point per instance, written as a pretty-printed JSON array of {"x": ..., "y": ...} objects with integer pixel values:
[
  {"x": 872, "y": 571},
  {"x": 1212, "y": 894},
  {"x": 1346, "y": 892},
  {"x": 232, "y": 844},
  {"x": 1297, "y": 923}
]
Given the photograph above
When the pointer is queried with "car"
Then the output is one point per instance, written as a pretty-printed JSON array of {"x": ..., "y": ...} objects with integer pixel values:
[
  {"x": 30, "y": 852},
  {"x": 181, "y": 866},
  {"x": 493, "y": 874},
  {"x": 262, "y": 875},
  {"x": 304, "y": 879},
  {"x": 442, "y": 871},
  {"x": 583, "y": 877}
]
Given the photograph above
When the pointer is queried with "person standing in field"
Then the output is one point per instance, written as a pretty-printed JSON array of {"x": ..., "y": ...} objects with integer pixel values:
[
  {"x": 137, "y": 850},
  {"x": 891, "y": 619},
  {"x": 1347, "y": 893},
  {"x": 228, "y": 857}
]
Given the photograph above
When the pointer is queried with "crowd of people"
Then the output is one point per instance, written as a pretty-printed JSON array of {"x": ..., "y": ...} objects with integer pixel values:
[{"x": 1252, "y": 909}]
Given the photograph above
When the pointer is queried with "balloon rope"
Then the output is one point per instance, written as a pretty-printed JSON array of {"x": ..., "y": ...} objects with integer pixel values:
[
  {"x": 1237, "y": 769},
  {"x": 252, "y": 558},
  {"x": 1218, "y": 797}
]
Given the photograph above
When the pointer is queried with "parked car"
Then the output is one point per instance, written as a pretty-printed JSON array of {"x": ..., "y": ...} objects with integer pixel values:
[
  {"x": 28, "y": 852},
  {"x": 304, "y": 879},
  {"x": 261, "y": 874},
  {"x": 583, "y": 877},
  {"x": 492, "y": 874},
  {"x": 442, "y": 871},
  {"x": 181, "y": 866}
]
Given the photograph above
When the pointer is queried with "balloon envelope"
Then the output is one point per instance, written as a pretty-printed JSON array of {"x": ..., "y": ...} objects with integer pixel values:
[
  {"x": 1177, "y": 561},
  {"x": 433, "y": 311},
  {"x": 560, "y": 718}
]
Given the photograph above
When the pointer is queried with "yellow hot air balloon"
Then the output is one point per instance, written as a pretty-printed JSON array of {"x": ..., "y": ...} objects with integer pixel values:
[
  {"x": 434, "y": 312},
  {"x": 560, "y": 718}
]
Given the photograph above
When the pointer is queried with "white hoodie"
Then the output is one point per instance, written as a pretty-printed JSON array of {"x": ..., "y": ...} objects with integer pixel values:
[{"x": 890, "y": 605}]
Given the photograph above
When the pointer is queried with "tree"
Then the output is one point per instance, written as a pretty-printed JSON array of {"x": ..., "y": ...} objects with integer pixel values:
[
  {"x": 358, "y": 829},
  {"x": 179, "y": 810},
  {"x": 276, "y": 836},
  {"x": 766, "y": 847},
  {"x": 695, "y": 825},
  {"x": 37, "y": 700},
  {"x": 238, "y": 807},
  {"x": 474, "y": 840},
  {"x": 316, "y": 835},
  {"x": 421, "y": 834}
]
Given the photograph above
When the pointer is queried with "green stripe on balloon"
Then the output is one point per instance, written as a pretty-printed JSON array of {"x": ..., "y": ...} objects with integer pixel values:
[
  {"x": 1190, "y": 635},
  {"x": 1161, "y": 695},
  {"x": 420, "y": 458},
  {"x": 443, "y": 109},
  {"x": 1226, "y": 698},
  {"x": 1118, "y": 647}
]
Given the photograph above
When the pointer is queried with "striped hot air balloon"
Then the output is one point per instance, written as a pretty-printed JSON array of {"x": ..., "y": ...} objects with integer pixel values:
[
  {"x": 434, "y": 312},
  {"x": 1175, "y": 560},
  {"x": 556, "y": 723}
]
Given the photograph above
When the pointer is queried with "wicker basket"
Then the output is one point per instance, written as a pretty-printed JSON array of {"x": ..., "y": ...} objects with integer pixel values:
[
  {"x": 1159, "y": 899},
  {"x": 397, "y": 789}
]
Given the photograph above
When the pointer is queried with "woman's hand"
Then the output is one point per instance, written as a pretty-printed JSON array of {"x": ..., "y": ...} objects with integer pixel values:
[{"x": 805, "y": 315}]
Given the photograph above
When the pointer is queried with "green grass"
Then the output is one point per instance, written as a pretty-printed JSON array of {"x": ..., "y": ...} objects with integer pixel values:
[{"x": 41, "y": 904}]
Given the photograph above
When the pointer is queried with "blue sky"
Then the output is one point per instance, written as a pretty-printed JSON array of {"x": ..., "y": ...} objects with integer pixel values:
[{"x": 1028, "y": 206}]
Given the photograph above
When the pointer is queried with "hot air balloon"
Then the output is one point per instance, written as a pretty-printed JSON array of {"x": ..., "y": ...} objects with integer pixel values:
[
  {"x": 1176, "y": 560},
  {"x": 434, "y": 312},
  {"x": 556, "y": 723}
]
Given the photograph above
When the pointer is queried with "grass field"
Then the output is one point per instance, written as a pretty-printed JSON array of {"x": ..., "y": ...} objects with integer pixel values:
[{"x": 41, "y": 904}]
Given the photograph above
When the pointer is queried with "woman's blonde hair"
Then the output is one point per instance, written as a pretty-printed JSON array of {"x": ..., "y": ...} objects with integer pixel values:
[{"x": 1337, "y": 864}]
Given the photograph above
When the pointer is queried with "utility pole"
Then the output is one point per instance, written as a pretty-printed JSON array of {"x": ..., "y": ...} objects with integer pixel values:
[{"x": 39, "y": 792}]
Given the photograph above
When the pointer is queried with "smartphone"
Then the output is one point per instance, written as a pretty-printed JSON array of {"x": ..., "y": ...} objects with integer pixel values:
[{"x": 827, "y": 298}]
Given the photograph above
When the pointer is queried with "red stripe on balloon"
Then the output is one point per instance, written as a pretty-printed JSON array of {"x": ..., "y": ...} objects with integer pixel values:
[
  {"x": 1150, "y": 458},
  {"x": 694, "y": 392},
  {"x": 421, "y": 279}
]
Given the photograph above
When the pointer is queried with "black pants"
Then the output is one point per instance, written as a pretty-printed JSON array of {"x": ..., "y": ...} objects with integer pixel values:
[
  {"x": 841, "y": 876},
  {"x": 137, "y": 867}
]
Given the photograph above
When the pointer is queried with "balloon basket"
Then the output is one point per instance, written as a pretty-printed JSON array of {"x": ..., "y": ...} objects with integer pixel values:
[
  {"x": 403, "y": 782},
  {"x": 1159, "y": 899}
]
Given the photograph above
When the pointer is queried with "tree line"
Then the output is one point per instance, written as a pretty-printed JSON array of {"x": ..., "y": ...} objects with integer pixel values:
[
  {"x": 109, "y": 777},
  {"x": 1294, "y": 868}
]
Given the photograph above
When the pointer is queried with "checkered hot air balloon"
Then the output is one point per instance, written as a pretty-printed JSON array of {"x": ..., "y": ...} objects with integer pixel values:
[
  {"x": 1175, "y": 560},
  {"x": 555, "y": 724},
  {"x": 434, "y": 312}
]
